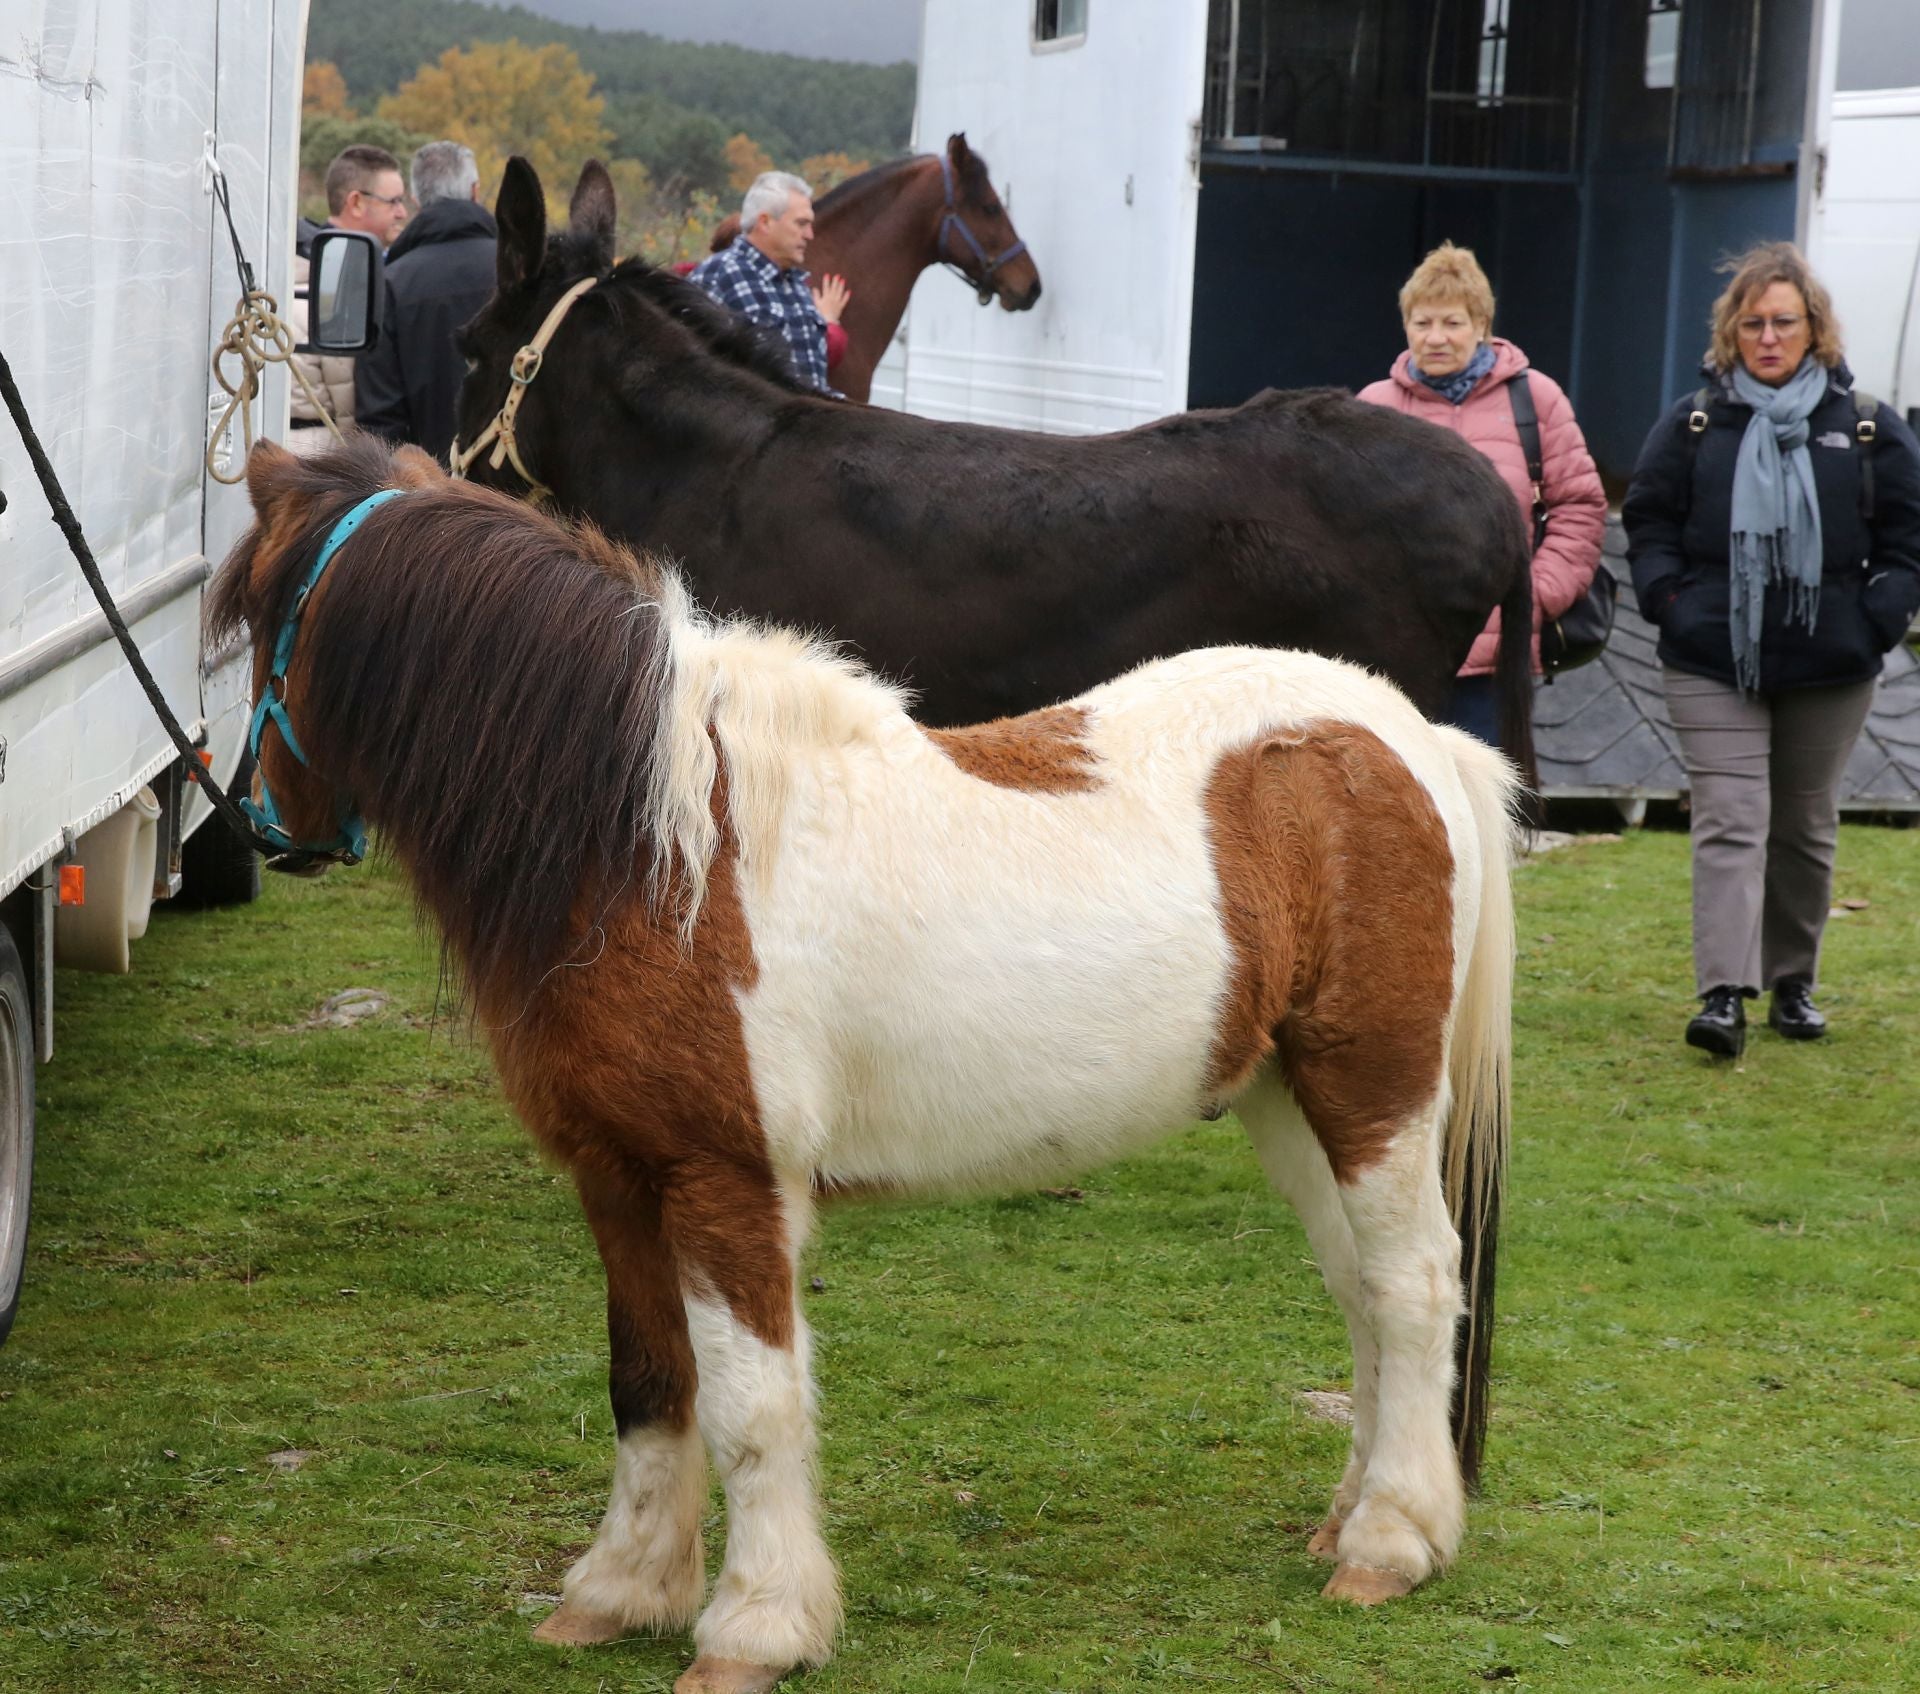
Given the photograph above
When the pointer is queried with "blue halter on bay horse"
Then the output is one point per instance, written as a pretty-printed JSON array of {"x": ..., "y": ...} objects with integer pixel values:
[
  {"x": 882, "y": 228},
  {"x": 992, "y": 570},
  {"x": 742, "y": 934}
]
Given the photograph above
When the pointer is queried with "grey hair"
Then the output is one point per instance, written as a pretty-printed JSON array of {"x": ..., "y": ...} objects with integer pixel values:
[
  {"x": 444, "y": 170},
  {"x": 769, "y": 194}
]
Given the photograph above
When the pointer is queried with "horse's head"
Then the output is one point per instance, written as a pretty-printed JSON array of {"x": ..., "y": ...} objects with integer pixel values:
[
  {"x": 568, "y": 347},
  {"x": 296, "y": 501},
  {"x": 978, "y": 237}
]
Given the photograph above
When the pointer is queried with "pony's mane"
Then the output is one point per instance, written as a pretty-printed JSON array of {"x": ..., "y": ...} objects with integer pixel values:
[{"x": 529, "y": 713}]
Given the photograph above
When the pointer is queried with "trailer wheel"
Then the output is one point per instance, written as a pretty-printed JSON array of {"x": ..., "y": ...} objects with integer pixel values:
[
  {"x": 16, "y": 1126},
  {"x": 217, "y": 868}
]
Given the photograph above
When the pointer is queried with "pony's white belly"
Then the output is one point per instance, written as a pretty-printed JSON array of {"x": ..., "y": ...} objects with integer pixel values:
[{"x": 1035, "y": 1004}]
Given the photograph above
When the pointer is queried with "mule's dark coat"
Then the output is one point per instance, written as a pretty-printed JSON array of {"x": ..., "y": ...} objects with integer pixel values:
[{"x": 996, "y": 571}]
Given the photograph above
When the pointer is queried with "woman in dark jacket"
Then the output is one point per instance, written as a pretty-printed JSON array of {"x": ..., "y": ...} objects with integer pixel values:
[{"x": 1774, "y": 534}]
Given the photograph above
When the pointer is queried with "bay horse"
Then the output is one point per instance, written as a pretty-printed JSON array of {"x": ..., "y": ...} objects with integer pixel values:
[
  {"x": 742, "y": 933},
  {"x": 882, "y": 228},
  {"x": 994, "y": 571}
]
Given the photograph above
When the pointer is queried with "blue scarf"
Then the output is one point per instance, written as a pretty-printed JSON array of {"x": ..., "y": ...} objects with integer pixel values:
[
  {"x": 1457, "y": 387},
  {"x": 1776, "y": 513}
]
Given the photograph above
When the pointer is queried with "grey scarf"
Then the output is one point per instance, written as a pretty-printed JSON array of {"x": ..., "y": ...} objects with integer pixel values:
[{"x": 1776, "y": 513}]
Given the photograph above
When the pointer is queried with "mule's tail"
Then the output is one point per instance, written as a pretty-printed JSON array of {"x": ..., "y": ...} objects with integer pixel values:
[
  {"x": 1474, "y": 1156},
  {"x": 1513, "y": 666}
]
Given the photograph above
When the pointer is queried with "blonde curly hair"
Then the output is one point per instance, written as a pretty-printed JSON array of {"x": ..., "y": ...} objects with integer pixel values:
[
  {"x": 1751, "y": 274},
  {"x": 1450, "y": 276}
]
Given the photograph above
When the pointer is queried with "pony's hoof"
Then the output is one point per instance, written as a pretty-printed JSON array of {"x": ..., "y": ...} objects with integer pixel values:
[
  {"x": 568, "y": 1625},
  {"x": 1326, "y": 1541},
  {"x": 1366, "y": 1585},
  {"x": 728, "y": 1676}
]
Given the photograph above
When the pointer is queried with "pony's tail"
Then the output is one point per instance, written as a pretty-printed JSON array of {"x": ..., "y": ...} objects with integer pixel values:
[
  {"x": 1474, "y": 1156},
  {"x": 1513, "y": 666}
]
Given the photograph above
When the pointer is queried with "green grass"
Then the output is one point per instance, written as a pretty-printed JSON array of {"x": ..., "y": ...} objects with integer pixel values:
[{"x": 1062, "y": 1445}]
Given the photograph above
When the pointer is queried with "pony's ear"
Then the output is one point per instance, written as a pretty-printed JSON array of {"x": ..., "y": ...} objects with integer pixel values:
[
  {"x": 957, "y": 150},
  {"x": 591, "y": 211},
  {"x": 269, "y": 469},
  {"x": 521, "y": 212},
  {"x": 414, "y": 467}
]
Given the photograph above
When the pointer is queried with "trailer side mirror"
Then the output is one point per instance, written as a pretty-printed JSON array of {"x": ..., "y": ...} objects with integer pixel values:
[{"x": 343, "y": 292}]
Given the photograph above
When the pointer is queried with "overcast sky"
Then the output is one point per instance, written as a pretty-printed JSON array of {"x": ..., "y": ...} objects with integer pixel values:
[{"x": 880, "y": 31}]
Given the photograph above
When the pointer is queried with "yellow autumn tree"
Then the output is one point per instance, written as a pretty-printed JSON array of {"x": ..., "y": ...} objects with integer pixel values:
[
  {"x": 746, "y": 159},
  {"x": 323, "y": 92},
  {"x": 501, "y": 98},
  {"x": 829, "y": 170}
]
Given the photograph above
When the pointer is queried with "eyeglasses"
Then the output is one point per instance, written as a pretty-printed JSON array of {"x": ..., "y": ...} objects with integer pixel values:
[
  {"x": 1786, "y": 324},
  {"x": 401, "y": 200}
]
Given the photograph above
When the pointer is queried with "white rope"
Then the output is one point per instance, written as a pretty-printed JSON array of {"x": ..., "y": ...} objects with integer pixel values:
[{"x": 258, "y": 337}]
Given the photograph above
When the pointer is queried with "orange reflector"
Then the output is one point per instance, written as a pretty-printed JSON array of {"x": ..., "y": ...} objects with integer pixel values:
[
  {"x": 73, "y": 885},
  {"x": 206, "y": 757}
]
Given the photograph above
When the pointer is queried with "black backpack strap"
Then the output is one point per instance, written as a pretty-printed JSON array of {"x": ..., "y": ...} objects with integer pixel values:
[
  {"x": 1866, "y": 431},
  {"x": 1526, "y": 423}
]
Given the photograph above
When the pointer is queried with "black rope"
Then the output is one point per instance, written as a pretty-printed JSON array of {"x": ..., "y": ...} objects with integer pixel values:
[{"x": 70, "y": 527}]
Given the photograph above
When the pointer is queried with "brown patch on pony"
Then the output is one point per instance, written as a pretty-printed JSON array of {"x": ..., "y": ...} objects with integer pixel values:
[
  {"x": 633, "y": 1071},
  {"x": 1336, "y": 884},
  {"x": 1044, "y": 752}
]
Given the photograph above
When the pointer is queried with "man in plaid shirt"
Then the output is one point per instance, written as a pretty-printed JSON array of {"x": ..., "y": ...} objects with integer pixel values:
[{"x": 760, "y": 277}]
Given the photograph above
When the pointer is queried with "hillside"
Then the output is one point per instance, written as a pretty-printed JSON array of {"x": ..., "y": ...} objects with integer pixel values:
[{"x": 792, "y": 107}]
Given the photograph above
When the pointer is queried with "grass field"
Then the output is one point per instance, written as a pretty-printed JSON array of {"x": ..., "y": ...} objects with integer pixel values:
[{"x": 307, "y": 1390}]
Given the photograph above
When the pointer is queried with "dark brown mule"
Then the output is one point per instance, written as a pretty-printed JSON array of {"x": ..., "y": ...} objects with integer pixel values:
[
  {"x": 992, "y": 570},
  {"x": 882, "y": 228}
]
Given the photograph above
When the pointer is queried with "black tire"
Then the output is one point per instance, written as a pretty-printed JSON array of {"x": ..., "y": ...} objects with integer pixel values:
[
  {"x": 217, "y": 868},
  {"x": 16, "y": 1126}
]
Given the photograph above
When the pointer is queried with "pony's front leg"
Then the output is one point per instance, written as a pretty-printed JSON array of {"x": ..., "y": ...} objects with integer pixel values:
[
  {"x": 777, "y": 1601},
  {"x": 1296, "y": 1165},
  {"x": 646, "y": 1568},
  {"x": 1411, "y": 1512}
]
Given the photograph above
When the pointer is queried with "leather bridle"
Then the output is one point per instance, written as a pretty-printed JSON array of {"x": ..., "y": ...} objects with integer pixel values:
[
  {"x": 951, "y": 223},
  {"x": 525, "y": 367}
]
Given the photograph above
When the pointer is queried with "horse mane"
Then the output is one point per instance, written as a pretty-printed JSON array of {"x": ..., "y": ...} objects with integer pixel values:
[
  {"x": 728, "y": 336},
  {"x": 858, "y": 188},
  {"x": 529, "y": 712}
]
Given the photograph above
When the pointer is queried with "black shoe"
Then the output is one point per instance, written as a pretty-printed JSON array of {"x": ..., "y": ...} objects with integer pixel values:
[
  {"x": 1720, "y": 1026},
  {"x": 1793, "y": 1012}
]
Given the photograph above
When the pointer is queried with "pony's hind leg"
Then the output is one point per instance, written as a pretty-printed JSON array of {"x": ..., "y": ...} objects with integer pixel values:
[
  {"x": 646, "y": 1567},
  {"x": 1297, "y": 1166},
  {"x": 1411, "y": 1510},
  {"x": 776, "y": 1603}
]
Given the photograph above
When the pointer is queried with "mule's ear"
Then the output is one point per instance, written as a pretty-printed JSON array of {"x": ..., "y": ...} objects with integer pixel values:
[
  {"x": 414, "y": 467},
  {"x": 521, "y": 212},
  {"x": 269, "y": 469},
  {"x": 591, "y": 211}
]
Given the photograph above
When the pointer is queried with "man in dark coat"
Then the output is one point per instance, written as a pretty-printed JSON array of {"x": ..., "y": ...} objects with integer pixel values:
[{"x": 438, "y": 275}]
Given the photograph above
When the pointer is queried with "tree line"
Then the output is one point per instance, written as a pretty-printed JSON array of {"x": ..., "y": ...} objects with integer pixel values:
[{"x": 670, "y": 105}]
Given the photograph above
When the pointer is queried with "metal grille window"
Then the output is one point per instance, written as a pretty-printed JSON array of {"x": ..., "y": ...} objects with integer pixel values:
[
  {"x": 1059, "y": 20},
  {"x": 1448, "y": 84}
]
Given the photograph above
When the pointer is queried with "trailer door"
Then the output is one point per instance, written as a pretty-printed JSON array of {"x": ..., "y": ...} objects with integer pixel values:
[{"x": 1087, "y": 113}]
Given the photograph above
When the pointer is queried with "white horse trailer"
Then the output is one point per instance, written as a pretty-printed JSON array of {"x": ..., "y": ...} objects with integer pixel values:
[
  {"x": 117, "y": 277},
  {"x": 1868, "y": 246}
]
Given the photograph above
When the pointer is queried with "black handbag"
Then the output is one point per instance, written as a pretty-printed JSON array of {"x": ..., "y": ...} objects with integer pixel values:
[{"x": 1578, "y": 635}]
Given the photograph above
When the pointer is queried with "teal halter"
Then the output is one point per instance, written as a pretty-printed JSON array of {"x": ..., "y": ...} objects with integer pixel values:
[{"x": 351, "y": 847}]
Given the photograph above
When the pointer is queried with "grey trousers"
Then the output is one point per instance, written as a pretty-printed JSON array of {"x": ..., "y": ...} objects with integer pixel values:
[{"x": 1765, "y": 774}]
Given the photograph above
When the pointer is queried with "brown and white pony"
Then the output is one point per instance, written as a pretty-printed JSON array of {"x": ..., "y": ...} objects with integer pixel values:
[
  {"x": 740, "y": 932},
  {"x": 882, "y": 228}
]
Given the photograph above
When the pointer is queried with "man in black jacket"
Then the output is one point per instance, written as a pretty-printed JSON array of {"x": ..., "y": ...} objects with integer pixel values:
[{"x": 438, "y": 275}]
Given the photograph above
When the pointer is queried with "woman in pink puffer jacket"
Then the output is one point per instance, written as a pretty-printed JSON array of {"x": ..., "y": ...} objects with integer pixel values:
[{"x": 1455, "y": 373}]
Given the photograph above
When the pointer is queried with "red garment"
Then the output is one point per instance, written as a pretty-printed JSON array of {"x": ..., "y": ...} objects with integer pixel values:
[
  {"x": 836, "y": 345},
  {"x": 1576, "y": 503},
  {"x": 684, "y": 267}
]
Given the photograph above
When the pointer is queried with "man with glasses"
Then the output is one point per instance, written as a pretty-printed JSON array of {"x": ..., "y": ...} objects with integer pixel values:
[{"x": 364, "y": 192}]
